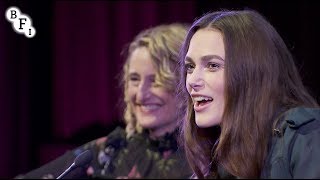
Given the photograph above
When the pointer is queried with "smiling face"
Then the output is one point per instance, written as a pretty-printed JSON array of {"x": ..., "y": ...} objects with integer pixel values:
[
  {"x": 153, "y": 106},
  {"x": 205, "y": 80}
]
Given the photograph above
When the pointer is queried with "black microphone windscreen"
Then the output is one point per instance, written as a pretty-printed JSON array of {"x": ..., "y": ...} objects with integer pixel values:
[{"x": 83, "y": 159}]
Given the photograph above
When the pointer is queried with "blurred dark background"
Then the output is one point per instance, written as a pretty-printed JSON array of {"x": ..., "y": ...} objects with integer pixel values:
[{"x": 60, "y": 88}]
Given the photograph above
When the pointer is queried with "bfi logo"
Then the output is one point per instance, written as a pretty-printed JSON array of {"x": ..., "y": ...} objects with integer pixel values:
[{"x": 22, "y": 23}]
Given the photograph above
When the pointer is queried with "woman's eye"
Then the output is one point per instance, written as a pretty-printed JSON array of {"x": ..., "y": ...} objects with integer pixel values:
[
  {"x": 134, "y": 80},
  {"x": 155, "y": 82},
  {"x": 152, "y": 79},
  {"x": 213, "y": 66},
  {"x": 189, "y": 68}
]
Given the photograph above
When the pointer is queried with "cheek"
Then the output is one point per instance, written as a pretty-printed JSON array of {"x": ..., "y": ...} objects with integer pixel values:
[
  {"x": 171, "y": 108},
  {"x": 188, "y": 87},
  {"x": 216, "y": 82},
  {"x": 220, "y": 86},
  {"x": 220, "y": 94},
  {"x": 165, "y": 96},
  {"x": 131, "y": 93},
  {"x": 160, "y": 93}
]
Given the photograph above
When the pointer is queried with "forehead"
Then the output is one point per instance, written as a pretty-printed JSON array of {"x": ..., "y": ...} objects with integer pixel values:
[
  {"x": 141, "y": 61},
  {"x": 206, "y": 41}
]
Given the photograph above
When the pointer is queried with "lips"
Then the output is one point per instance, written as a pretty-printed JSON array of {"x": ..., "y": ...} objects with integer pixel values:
[
  {"x": 200, "y": 107},
  {"x": 201, "y": 102},
  {"x": 147, "y": 108}
]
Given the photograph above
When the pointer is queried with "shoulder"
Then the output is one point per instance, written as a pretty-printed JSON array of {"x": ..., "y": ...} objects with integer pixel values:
[
  {"x": 303, "y": 120},
  {"x": 117, "y": 132},
  {"x": 303, "y": 145},
  {"x": 297, "y": 147},
  {"x": 114, "y": 138},
  {"x": 300, "y": 127}
]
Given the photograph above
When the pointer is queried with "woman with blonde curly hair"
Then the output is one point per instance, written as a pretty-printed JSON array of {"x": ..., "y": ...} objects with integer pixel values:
[{"x": 147, "y": 147}]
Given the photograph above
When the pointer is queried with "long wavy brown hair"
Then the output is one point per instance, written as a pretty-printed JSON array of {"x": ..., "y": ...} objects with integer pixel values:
[{"x": 261, "y": 81}]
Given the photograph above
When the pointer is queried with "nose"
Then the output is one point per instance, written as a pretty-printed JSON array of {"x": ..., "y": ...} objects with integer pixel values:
[
  {"x": 195, "y": 80},
  {"x": 143, "y": 92}
]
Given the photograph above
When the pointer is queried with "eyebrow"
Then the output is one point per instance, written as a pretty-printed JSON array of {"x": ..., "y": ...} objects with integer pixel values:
[
  {"x": 205, "y": 58},
  {"x": 133, "y": 74}
]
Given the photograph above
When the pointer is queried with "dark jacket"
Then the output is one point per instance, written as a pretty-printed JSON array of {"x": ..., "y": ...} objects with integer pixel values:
[{"x": 295, "y": 147}]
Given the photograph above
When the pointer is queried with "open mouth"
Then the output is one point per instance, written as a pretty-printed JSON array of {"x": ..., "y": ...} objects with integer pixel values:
[
  {"x": 150, "y": 107},
  {"x": 201, "y": 101}
]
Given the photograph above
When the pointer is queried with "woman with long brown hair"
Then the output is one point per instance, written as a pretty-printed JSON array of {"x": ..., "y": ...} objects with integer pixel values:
[{"x": 249, "y": 114}]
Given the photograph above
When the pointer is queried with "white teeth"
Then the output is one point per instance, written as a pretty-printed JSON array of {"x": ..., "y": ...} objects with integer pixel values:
[
  {"x": 202, "y": 98},
  {"x": 150, "y": 107}
]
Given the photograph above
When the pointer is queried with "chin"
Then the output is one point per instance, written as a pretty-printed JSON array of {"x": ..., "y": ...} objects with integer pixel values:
[
  {"x": 205, "y": 123},
  {"x": 201, "y": 125},
  {"x": 147, "y": 123}
]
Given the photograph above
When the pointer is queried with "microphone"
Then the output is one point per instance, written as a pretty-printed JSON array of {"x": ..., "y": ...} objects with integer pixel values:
[{"x": 81, "y": 160}]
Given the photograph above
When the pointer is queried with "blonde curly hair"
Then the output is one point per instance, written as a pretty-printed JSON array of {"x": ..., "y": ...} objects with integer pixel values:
[{"x": 163, "y": 43}]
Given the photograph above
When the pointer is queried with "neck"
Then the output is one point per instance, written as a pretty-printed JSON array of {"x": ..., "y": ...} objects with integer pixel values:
[{"x": 161, "y": 131}]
